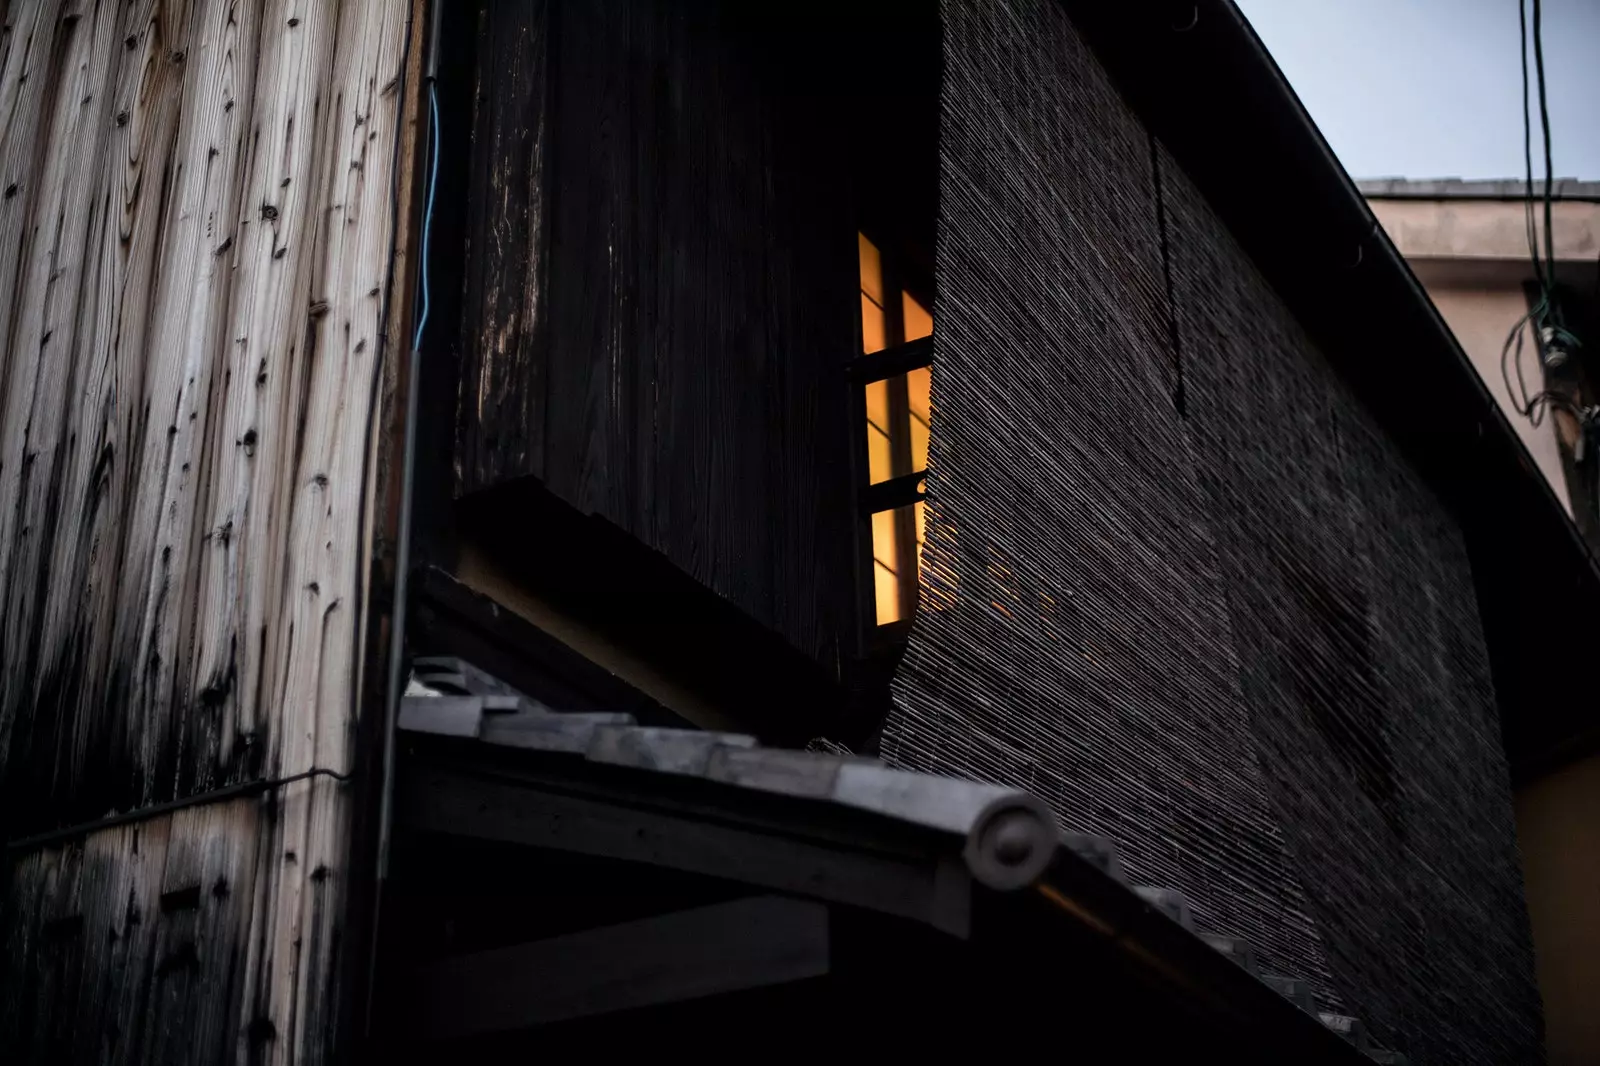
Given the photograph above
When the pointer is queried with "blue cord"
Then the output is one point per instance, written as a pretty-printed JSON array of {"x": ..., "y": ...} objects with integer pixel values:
[{"x": 427, "y": 217}]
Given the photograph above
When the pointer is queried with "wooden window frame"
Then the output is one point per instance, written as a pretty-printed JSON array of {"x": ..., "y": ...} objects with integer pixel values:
[{"x": 905, "y": 487}]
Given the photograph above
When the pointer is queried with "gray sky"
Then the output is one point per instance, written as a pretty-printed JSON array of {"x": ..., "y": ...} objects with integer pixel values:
[{"x": 1433, "y": 88}]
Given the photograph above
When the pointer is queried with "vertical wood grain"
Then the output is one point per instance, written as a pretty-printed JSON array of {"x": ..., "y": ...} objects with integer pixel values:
[
  {"x": 45, "y": 298},
  {"x": 28, "y": 80},
  {"x": 699, "y": 294},
  {"x": 321, "y": 612},
  {"x": 120, "y": 255},
  {"x": 166, "y": 534},
  {"x": 502, "y": 394},
  {"x": 196, "y": 224},
  {"x": 262, "y": 354}
]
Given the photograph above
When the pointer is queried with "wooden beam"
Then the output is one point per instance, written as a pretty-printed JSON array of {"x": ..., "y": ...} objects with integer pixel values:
[
  {"x": 906, "y": 879},
  {"x": 749, "y": 943}
]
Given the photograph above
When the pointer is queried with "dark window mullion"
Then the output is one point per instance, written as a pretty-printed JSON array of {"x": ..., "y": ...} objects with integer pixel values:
[
  {"x": 896, "y": 492},
  {"x": 879, "y": 366}
]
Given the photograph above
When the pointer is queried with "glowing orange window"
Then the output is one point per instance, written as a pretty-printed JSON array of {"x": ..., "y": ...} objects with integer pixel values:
[{"x": 896, "y": 371}]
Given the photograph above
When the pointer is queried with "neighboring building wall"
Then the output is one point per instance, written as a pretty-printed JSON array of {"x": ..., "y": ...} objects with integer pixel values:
[
  {"x": 1472, "y": 257},
  {"x": 1460, "y": 226},
  {"x": 196, "y": 238},
  {"x": 1480, "y": 313},
  {"x": 1558, "y": 823}
]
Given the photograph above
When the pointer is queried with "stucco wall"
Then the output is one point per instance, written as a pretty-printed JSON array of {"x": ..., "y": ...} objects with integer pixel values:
[
  {"x": 1480, "y": 314},
  {"x": 1472, "y": 256},
  {"x": 1558, "y": 826},
  {"x": 1486, "y": 229}
]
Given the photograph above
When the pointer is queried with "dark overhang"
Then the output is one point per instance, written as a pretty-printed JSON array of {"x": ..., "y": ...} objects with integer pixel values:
[
  {"x": 1008, "y": 907},
  {"x": 1205, "y": 85}
]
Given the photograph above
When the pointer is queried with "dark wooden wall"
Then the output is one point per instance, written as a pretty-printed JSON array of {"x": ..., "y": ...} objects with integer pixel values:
[
  {"x": 660, "y": 292},
  {"x": 505, "y": 307}
]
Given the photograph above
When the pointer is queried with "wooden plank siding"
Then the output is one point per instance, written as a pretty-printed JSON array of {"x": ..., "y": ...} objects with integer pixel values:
[
  {"x": 660, "y": 290},
  {"x": 197, "y": 356},
  {"x": 503, "y": 356}
]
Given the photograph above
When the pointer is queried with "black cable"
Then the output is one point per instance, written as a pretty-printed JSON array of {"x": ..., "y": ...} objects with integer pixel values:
[
  {"x": 1545, "y": 314},
  {"x": 1548, "y": 311},
  {"x": 140, "y": 814},
  {"x": 1546, "y": 400},
  {"x": 1529, "y": 407},
  {"x": 1519, "y": 394},
  {"x": 1527, "y": 151},
  {"x": 1549, "y": 168},
  {"x": 1532, "y": 407}
]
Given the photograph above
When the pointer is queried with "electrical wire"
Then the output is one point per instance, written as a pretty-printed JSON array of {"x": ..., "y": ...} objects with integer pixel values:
[
  {"x": 1509, "y": 360},
  {"x": 1535, "y": 406},
  {"x": 1527, "y": 152},
  {"x": 1544, "y": 124},
  {"x": 235, "y": 791},
  {"x": 408, "y": 461},
  {"x": 1544, "y": 315},
  {"x": 1546, "y": 309},
  {"x": 427, "y": 214},
  {"x": 374, "y": 903}
]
